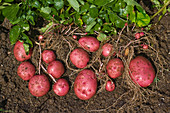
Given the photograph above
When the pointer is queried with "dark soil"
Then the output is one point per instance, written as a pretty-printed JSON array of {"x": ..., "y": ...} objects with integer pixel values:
[{"x": 15, "y": 96}]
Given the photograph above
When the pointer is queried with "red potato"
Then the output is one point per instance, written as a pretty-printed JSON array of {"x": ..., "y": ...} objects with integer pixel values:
[
  {"x": 26, "y": 70},
  {"x": 137, "y": 35},
  {"x": 142, "y": 71},
  {"x": 110, "y": 86},
  {"x": 56, "y": 69},
  {"x": 85, "y": 84},
  {"x": 19, "y": 52},
  {"x": 61, "y": 87},
  {"x": 107, "y": 49},
  {"x": 39, "y": 85},
  {"x": 48, "y": 56},
  {"x": 115, "y": 68},
  {"x": 79, "y": 58},
  {"x": 89, "y": 43}
]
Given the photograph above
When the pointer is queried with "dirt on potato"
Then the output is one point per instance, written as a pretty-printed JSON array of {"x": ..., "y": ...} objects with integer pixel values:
[{"x": 127, "y": 97}]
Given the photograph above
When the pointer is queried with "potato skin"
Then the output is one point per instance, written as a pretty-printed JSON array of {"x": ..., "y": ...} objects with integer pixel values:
[
  {"x": 85, "y": 84},
  {"x": 142, "y": 71},
  {"x": 115, "y": 68},
  {"x": 107, "y": 49},
  {"x": 110, "y": 85},
  {"x": 89, "y": 43},
  {"x": 61, "y": 87},
  {"x": 56, "y": 69},
  {"x": 48, "y": 56},
  {"x": 19, "y": 52},
  {"x": 79, "y": 58},
  {"x": 26, "y": 70},
  {"x": 39, "y": 85}
]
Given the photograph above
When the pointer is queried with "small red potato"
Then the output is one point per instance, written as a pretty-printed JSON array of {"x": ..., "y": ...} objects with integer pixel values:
[
  {"x": 61, "y": 87},
  {"x": 142, "y": 71},
  {"x": 56, "y": 69},
  {"x": 137, "y": 35},
  {"x": 107, "y": 49},
  {"x": 110, "y": 85},
  {"x": 85, "y": 84},
  {"x": 19, "y": 52},
  {"x": 89, "y": 43},
  {"x": 48, "y": 56},
  {"x": 79, "y": 58},
  {"x": 74, "y": 37},
  {"x": 115, "y": 68},
  {"x": 39, "y": 85},
  {"x": 26, "y": 70}
]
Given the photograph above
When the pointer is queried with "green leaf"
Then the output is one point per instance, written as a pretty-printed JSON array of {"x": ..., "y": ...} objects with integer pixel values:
[
  {"x": 81, "y": 2},
  {"x": 74, "y": 4},
  {"x": 30, "y": 19},
  {"x": 9, "y": 0},
  {"x": 36, "y": 4},
  {"x": 43, "y": 29},
  {"x": 89, "y": 27},
  {"x": 58, "y": 4},
  {"x": 84, "y": 8},
  {"x": 102, "y": 37},
  {"x": 46, "y": 10},
  {"x": 142, "y": 19},
  {"x": 14, "y": 34},
  {"x": 101, "y": 2},
  {"x": 11, "y": 11},
  {"x": 27, "y": 43},
  {"x": 93, "y": 11},
  {"x": 25, "y": 26}
]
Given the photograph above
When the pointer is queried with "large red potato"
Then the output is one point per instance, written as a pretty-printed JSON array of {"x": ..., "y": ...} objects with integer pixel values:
[
  {"x": 48, "y": 56},
  {"x": 89, "y": 43},
  {"x": 26, "y": 70},
  {"x": 39, "y": 85},
  {"x": 79, "y": 58},
  {"x": 56, "y": 69},
  {"x": 141, "y": 71},
  {"x": 19, "y": 52},
  {"x": 61, "y": 87},
  {"x": 115, "y": 68},
  {"x": 107, "y": 49},
  {"x": 85, "y": 84}
]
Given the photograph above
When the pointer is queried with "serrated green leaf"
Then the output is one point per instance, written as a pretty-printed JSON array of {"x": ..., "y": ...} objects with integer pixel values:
[
  {"x": 142, "y": 19},
  {"x": 89, "y": 27},
  {"x": 14, "y": 34},
  {"x": 84, "y": 8},
  {"x": 74, "y": 4},
  {"x": 46, "y": 10},
  {"x": 101, "y": 2},
  {"x": 25, "y": 26},
  {"x": 10, "y": 11},
  {"x": 58, "y": 4}
]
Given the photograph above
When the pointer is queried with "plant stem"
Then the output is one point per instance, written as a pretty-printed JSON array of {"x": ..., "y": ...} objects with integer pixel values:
[
  {"x": 165, "y": 5},
  {"x": 40, "y": 58}
]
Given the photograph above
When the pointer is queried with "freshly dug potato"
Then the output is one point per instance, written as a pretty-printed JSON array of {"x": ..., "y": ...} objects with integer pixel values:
[
  {"x": 115, "y": 68},
  {"x": 110, "y": 85},
  {"x": 26, "y": 70},
  {"x": 107, "y": 49},
  {"x": 56, "y": 69},
  {"x": 39, "y": 85},
  {"x": 79, "y": 58},
  {"x": 19, "y": 52},
  {"x": 61, "y": 87},
  {"x": 142, "y": 71},
  {"x": 85, "y": 84},
  {"x": 48, "y": 56},
  {"x": 89, "y": 43}
]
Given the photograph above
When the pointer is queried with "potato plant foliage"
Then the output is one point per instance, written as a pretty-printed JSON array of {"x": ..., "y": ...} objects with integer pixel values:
[{"x": 103, "y": 16}]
